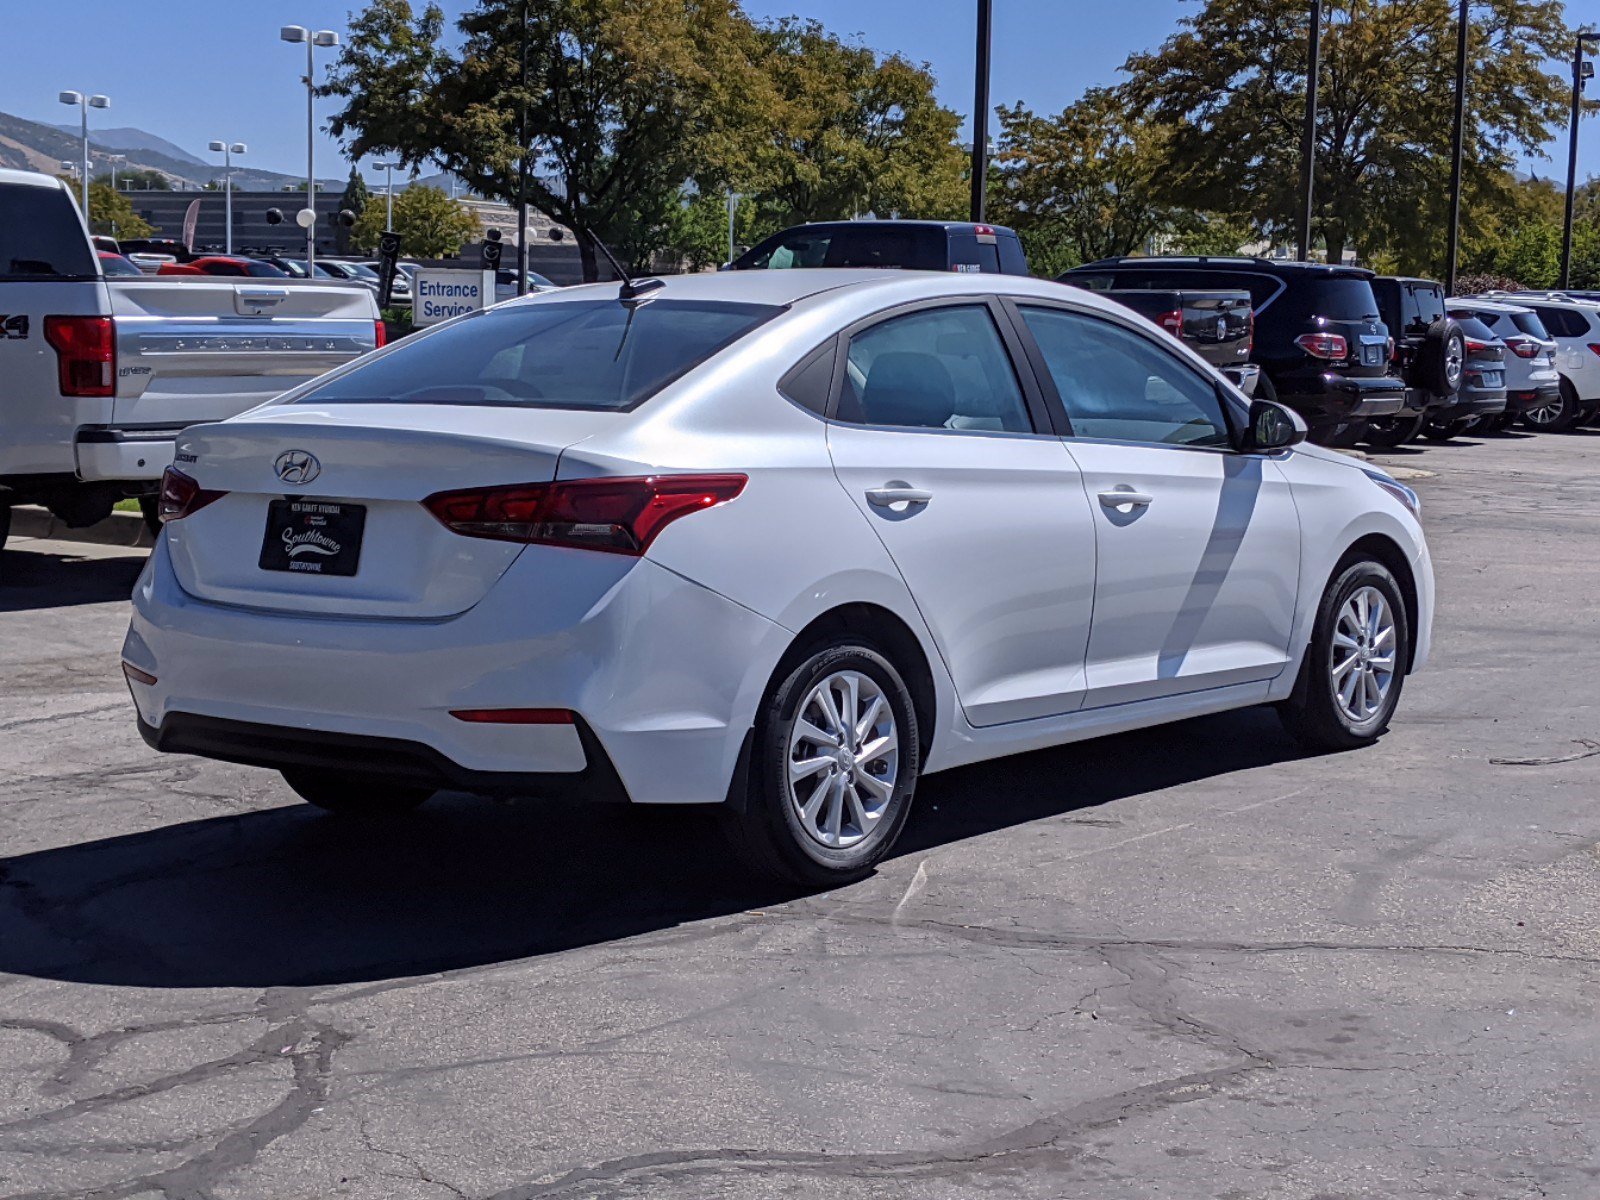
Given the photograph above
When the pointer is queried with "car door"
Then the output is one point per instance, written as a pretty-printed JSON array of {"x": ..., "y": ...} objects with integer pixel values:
[
  {"x": 1197, "y": 545},
  {"x": 948, "y": 453}
]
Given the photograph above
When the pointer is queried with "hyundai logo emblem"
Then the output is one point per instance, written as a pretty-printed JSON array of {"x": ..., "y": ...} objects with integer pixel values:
[{"x": 296, "y": 467}]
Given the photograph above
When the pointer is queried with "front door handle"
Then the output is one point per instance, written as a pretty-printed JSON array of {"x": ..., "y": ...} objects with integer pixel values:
[
  {"x": 897, "y": 493},
  {"x": 1117, "y": 497}
]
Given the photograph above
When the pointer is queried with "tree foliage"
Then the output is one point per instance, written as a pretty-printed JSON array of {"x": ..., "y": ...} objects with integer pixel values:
[
  {"x": 110, "y": 212},
  {"x": 429, "y": 222},
  {"x": 1230, "y": 86}
]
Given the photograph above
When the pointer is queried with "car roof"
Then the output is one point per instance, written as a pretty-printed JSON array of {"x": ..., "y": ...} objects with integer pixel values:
[
  {"x": 880, "y": 223},
  {"x": 1242, "y": 262},
  {"x": 30, "y": 179},
  {"x": 1499, "y": 306}
]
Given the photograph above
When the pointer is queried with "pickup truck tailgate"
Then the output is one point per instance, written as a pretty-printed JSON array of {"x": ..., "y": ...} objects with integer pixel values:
[{"x": 192, "y": 350}]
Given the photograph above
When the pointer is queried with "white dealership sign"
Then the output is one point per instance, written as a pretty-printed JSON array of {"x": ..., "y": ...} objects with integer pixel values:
[{"x": 439, "y": 293}]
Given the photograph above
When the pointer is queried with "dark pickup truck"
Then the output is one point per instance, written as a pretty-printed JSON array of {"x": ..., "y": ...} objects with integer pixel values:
[
  {"x": 1217, "y": 325},
  {"x": 961, "y": 246}
]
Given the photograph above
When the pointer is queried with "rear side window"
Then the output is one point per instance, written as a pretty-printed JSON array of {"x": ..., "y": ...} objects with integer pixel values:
[
  {"x": 943, "y": 368},
  {"x": 1530, "y": 324},
  {"x": 570, "y": 354},
  {"x": 1563, "y": 322},
  {"x": 1428, "y": 307},
  {"x": 42, "y": 236},
  {"x": 1119, "y": 386},
  {"x": 1474, "y": 328}
]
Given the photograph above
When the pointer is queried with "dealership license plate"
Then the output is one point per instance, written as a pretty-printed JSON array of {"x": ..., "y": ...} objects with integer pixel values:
[{"x": 313, "y": 537}]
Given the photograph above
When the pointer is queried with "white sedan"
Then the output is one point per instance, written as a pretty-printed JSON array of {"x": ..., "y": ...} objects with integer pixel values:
[{"x": 780, "y": 541}]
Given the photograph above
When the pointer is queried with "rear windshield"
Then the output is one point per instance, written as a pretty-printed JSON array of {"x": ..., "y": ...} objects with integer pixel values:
[
  {"x": 42, "y": 236},
  {"x": 573, "y": 354},
  {"x": 1338, "y": 299},
  {"x": 1530, "y": 324},
  {"x": 1475, "y": 328},
  {"x": 911, "y": 247}
]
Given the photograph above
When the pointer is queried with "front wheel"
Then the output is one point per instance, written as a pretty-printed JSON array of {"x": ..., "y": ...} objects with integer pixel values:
[
  {"x": 835, "y": 763},
  {"x": 1350, "y": 679},
  {"x": 353, "y": 795}
]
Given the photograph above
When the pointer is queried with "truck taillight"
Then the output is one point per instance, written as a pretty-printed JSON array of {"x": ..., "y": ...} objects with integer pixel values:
[
  {"x": 621, "y": 516},
  {"x": 380, "y": 334},
  {"x": 1172, "y": 322},
  {"x": 1331, "y": 346},
  {"x": 86, "y": 354}
]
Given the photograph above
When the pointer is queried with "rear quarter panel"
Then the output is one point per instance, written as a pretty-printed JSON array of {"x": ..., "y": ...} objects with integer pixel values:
[{"x": 37, "y": 423}]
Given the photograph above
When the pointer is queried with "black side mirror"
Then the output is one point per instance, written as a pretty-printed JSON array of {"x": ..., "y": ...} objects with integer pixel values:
[{"x": 1273, "y": 427}]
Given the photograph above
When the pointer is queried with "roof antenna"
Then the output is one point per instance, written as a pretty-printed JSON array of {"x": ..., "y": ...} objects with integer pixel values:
[{"x": 632, "y": 291}]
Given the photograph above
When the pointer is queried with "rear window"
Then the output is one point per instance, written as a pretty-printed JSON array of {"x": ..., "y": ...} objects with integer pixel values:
[
  {"x": 893, "y": 246},
  {"x": 1530, "y": 324},
  {"x": 42, "y": 236},
  {"x": 1338, "y": 299},
  {"x": 1475, "y": 328},
  {"x": 1426, "y": 306},
  {"x": 575, "y": 355}
]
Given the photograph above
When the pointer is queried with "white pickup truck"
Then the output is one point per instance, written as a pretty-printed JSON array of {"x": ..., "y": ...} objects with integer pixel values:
[{"x": 98, "y": 375}]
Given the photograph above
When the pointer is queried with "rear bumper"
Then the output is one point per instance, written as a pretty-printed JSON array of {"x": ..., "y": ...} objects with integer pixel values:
[
  {"x": 116, "y": 454},
  {"x": 1327, "y": 396},
  {"x": 1520, "y": 400},
  {"x": 665, "y": 675}
]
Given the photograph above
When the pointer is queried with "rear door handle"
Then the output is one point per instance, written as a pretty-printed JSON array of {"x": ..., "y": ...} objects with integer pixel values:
[
  {"x": 897, "y": 493},
  {"x": 1117, "y": 497}
]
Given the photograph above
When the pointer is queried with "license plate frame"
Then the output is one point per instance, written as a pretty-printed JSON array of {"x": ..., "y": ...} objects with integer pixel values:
[{"x": 308, "y": 536}]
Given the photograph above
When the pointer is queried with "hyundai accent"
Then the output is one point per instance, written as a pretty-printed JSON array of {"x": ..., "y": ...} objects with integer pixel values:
[{"x": 781, "y": 541}]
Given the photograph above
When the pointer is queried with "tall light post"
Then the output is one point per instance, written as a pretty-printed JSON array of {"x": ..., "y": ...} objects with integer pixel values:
[
  {"x": 307, "y": 216},
  {"x": 980, "y": 110},
  {"x": 1457, "y": 137},
  {"x": 114, "y": 159},
  {"x": 388, "y": 192},
  {"x": 85, "y": 102},
  {"x": 1308, "y": 136},
  {"x": 228, "y": 150},
  {"x": 1582, "y": 72}
]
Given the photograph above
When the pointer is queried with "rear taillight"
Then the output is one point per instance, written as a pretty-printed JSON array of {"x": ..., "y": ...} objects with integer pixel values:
[
  {"x": 181, "y": 496},
  {"x": 380, "y": 335},
  {"x": 1172, "y": 322},
  {"x": 1523, "y": 347},
  {"x": 1394, "y": 351},
  {"x": 1595, "y": 346},
  {"x": 620, "y": 516},
  {"x": 1474, "y": 346},
  {"x": 86, "y": 354},
  {"x": 1331, "y": 346}
]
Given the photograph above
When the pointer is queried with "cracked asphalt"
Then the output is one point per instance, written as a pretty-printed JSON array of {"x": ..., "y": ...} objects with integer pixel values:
[{"x": 1188, "y": 962}]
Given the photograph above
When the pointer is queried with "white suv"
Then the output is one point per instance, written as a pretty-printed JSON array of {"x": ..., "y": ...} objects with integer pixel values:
[{"x": 1575, "y": 326}]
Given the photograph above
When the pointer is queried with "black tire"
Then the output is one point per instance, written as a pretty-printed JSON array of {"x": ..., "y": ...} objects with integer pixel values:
[
  {"x": 150, "y": 510},
  {"x": 1444, "y": 431},
  {"x": 1558, "y": 416},
  {"x": 1343, "y": 435},
  {"x": 5, "y": 532},
  {"x": 771, "y": 836},
  {"x": 1312, "y": 713},
  {"x": 1442, "y": 358},
  {"x": 353, "y": 795},
  {"x": 1389, "y": 432}
]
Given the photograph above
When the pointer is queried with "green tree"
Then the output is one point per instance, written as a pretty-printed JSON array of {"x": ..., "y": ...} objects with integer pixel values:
[
  {"x": 1081, "y": 185},
  {"x": 621, "y": 103},
  {"x": 430, "y": 224},
  {"x": 110, "y": 212},
  {"x": 848, "y": 132},
  {"x": 354, "y": 200},
  {"x": 1231, "y": 87}
]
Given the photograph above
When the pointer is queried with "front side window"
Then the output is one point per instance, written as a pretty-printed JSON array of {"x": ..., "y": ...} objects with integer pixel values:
[
  {"x": 942, "y": 368},
  {"x": 584, "y": 354},
  {"x": 1119, "y": 386}
]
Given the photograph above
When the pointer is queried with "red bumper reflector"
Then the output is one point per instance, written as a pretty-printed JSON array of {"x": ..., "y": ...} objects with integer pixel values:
[
  {"x": 137, "y": 676},
  {"x": 513, "y": 716}
]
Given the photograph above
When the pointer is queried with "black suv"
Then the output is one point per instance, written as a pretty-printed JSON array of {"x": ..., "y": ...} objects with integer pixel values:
[
  {"x": 1429, "y": 351},
  {"x": 1321, "y": 345},
  {"x": 909, "y": 245}
]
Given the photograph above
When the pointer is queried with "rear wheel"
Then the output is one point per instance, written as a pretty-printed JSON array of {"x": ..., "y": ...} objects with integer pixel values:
[
  {"x": 1350, "y": 680},
  {"x": 353, "y": 795},
  {"x": 1557, "y": 416},
  {"x": 835, "y": 765},
  {"x": 1389, "y": 432}
]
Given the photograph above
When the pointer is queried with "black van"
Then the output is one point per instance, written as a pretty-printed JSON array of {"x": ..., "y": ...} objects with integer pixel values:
[
  {"x": 907, "y": 245},
  {"x": 1321, "y": 345}
]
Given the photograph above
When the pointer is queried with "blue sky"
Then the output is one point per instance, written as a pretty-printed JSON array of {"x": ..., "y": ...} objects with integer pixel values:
[{"x": 194, "y": 70}]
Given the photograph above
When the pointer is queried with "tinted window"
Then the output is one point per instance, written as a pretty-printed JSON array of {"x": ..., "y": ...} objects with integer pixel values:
[
  {"x": 221, "y": 268},
  {"x": 1095, "y": 281},
  {"x": 1474, "y": 328},
  {"x": 945, "y": 368},
  {"x": 42, "y": 236},
  {"x": 1563, "y": 322},
  {"x": 1427, "y": 307},
  {"x": 1530, "y": 324},
  {"x": 115, "y": 264},
  {"x": 265, "y": 270},
  {"x": 967, "y": 251},
  {"x": 809, "y": 383},
  {"x": 1337, "y": 298},
  {"x": 574, "y": 355},
  {"x": 864, "y": 245},
  {"x": 1120, "y": 386}
]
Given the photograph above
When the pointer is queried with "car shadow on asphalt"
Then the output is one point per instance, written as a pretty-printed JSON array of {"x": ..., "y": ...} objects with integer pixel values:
[
  {"x": 293, "y": 897},
  {"x": 36, "y": 579}
]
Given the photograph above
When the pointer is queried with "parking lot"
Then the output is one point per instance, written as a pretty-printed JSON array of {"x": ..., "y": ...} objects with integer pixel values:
[{"x": 1187, "y": 962}]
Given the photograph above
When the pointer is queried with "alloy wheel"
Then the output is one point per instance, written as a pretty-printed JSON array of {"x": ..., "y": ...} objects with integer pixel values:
[
  {"x": 1454, "y": 362},
  {"x": 844, "y": 757},
  {"x": 1363, "y": 655},
  {"x": 1546, "y": 414}
]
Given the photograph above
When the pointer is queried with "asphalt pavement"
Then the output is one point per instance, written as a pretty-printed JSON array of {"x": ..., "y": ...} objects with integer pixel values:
[{"x": 1188, "y": 962}]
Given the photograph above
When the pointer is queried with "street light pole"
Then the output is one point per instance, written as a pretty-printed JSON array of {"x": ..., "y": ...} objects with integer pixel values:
[
  {"x": 1455, "y": 150},
  {"x": 388, "y": 192},
  {"x": 84, "y": 102},
  {"x": 980, "y": 111},
  {"x": 1308, "y": 138},
  {"x": 1579, "y": 77},
  {"x": 325, "y": 38},
  {"x": 228, "y": 149}
]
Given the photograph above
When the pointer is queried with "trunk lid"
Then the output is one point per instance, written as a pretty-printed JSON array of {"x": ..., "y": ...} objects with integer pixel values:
[{"x": 373, "y": 465}]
